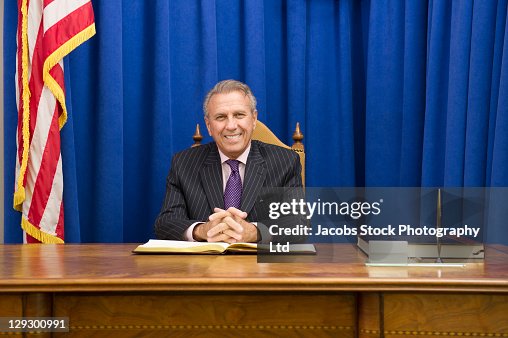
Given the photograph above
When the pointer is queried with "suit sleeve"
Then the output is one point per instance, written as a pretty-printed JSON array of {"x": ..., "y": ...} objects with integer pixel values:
[
  {"x": 173, "y": 219},
  {"x": 294, "y": 178}
]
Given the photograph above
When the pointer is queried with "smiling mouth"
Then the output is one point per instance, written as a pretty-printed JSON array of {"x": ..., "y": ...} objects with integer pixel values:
[{"x": 233, "y": 137}]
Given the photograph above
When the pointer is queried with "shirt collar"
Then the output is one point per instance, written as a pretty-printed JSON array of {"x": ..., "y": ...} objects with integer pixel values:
[{"x": 242, "y": 158}]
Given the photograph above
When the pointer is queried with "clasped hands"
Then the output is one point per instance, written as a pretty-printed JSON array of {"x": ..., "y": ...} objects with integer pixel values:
[{"x": 228, "y": 226}]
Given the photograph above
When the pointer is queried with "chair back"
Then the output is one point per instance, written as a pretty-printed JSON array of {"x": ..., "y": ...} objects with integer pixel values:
[{"x": 264, "y": 134}]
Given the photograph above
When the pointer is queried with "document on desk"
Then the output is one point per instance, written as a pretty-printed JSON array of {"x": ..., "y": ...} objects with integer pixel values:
[
  {"x": 157, "y": 246},
  {"x": 167, "y": 246}
]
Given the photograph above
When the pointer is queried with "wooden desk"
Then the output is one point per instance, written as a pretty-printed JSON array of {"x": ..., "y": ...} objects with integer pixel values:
[{"x": 107, "y": 291}]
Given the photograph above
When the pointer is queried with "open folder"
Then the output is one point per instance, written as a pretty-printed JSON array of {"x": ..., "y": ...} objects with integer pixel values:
[{"x": 157, "y": 246}]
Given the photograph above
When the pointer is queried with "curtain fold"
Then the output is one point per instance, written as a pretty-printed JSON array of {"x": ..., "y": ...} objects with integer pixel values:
[
  {"x": 387, "y": 93},
  {"x": 413, "y": 98},
  {"x": 436, "y": 91},
  {"x": 498, "y": 172},
  {"x": 329, "y": 118}
]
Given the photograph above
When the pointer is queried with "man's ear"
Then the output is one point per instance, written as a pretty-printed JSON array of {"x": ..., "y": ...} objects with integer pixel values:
[
  {"x": 207, "y": 123},
  {"x": 255, "y": 116}
]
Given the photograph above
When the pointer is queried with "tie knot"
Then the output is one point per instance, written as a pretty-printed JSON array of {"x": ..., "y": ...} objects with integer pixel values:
[{"x": 233, "y": 164}]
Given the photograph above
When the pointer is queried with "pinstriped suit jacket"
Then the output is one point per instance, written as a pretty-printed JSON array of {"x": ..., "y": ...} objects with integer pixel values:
[{"x": 194, "y": 185}]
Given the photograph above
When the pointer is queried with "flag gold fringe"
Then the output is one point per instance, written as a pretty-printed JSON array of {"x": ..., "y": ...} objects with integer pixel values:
[
  {"x": 39, "y": 235},
  {"x": 19, "y": 195}
]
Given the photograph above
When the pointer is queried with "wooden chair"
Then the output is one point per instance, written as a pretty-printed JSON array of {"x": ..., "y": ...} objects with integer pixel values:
[{"x": 264, "y": 134}]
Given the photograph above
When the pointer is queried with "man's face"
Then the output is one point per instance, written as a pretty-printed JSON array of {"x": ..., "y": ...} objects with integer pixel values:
[{"x": 230, "y": 122}]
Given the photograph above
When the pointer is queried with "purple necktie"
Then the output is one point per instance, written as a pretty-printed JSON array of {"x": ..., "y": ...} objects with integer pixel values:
[{"x": 233, "y": 191}]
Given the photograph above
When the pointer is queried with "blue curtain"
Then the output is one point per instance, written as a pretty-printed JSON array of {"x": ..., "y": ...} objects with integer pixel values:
[{"x": 388, "y": 93}]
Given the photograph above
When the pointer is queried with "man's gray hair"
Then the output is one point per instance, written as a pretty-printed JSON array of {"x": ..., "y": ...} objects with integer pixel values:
[{"x": 229, "y": 86}]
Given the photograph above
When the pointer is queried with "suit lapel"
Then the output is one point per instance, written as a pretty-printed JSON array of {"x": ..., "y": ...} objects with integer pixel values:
[
  {"x": 255, "y": 174},
  {"x": 211, "y": 178}
]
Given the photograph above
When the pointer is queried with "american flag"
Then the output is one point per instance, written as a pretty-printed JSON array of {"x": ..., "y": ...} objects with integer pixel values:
[{"x": 47, "y": 31}]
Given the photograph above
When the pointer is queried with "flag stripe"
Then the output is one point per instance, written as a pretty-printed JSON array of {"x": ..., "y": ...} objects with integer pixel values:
[
  {"x": 34, "y": 26},
  {"x": 47, "y": 2},
  {"x": 52, "y": 212},
  {"x": 36, "y": 81},
  {"x": 58, "y": 10},
  {"x": 45, "y": 167},
  {"x": 60, "y": 224},
  {"x": 40, "y": 135}
]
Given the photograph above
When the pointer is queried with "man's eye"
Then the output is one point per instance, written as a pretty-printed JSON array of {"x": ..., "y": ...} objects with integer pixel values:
[
  {"x": 240, "y": 115},
  {"x": 220, "y": 118}
]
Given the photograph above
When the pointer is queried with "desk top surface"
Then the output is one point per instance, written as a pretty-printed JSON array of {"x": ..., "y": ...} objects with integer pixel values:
[{"x": 113, "y": 267}]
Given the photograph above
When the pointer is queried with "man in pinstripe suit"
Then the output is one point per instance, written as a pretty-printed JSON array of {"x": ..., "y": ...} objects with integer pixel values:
[{"x": 193, "y": 208}]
